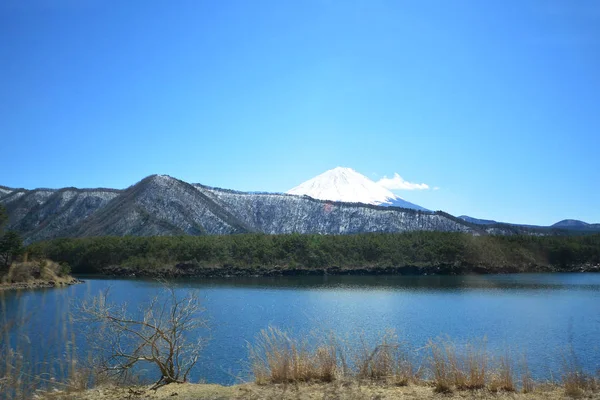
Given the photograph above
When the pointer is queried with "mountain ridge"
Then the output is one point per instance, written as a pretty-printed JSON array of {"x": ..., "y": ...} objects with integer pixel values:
[
  {"x": 161, "y": 205},
  {"x": 569, "y": 224}
]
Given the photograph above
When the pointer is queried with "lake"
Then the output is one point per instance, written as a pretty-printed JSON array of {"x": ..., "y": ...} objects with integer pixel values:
[{"x": 541, "y": 315}]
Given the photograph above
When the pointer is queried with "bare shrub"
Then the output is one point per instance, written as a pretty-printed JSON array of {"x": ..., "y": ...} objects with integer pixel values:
[{"x": 165, "y": 333}]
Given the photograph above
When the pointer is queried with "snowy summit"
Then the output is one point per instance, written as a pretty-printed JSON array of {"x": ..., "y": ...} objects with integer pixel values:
[{"x": 347, "y": 185}]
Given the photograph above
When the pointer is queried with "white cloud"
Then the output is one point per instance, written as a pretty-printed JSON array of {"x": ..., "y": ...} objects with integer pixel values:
[{"x": 398, "y": 183}]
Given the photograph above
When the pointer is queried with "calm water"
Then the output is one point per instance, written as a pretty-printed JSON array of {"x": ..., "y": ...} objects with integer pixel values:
[{"x": 540, "y": 314}]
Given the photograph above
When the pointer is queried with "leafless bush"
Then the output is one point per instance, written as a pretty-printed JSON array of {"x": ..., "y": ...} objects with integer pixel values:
[{"x": 168, "y": 333}]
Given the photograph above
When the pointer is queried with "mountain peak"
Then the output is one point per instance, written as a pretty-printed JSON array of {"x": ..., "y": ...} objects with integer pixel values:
[
  {"x": 342, "y": 170},
  {"x": 346, "y": 185},
  {"x": 5, "y": 190},
  {"x": 570, "y": 223}
]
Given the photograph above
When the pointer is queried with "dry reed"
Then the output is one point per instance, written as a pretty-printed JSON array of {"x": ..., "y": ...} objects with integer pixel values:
[
  {"x": 277, "y": 358},
  {"x": 575, "y": 380}
]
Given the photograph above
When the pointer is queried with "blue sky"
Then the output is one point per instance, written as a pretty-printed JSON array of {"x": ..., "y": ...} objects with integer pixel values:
[{"x": 497, "y": 103}]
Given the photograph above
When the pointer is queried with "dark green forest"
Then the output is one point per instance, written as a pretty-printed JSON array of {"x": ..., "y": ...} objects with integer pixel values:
[{"x": 260, "y": 254}]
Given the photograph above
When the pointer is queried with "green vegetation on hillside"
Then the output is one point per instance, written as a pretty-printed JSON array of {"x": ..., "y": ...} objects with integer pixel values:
[{"x": 416, "y": 252}]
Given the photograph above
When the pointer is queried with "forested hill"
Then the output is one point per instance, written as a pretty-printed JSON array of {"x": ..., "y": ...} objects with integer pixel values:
[{"x": 260, "y": 254}]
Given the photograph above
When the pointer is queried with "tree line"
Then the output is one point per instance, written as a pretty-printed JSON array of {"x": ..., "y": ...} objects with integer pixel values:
[{"x": 301, "y": 251}]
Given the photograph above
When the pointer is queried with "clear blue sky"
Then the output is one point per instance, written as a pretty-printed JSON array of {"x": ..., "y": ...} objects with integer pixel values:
[{"x": 495, "y": 102}]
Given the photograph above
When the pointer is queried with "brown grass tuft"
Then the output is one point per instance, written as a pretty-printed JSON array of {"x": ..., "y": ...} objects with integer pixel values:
[
  {"x": 527, "y": 382},
  {"x": 466, "y": 370},
  {"x": 502, "y": 379},
  {"x": 575, "y": 380},
  {"x": 277, "y": 358},
  {"x": 387, "y": 361}
]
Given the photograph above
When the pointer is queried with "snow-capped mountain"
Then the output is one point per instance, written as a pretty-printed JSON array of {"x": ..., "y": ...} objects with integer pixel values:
[{"x": 349, "y": 186}]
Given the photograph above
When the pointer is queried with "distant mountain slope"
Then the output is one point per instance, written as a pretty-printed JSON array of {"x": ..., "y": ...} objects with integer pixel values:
[
  {"x": 22, "y": 202},
  {"x": 504, "y": 228},
  {"x": 477, "y": 220},
  {"x": 576, "y": 225},
  {"x": 571, "y": 223},
  {"x": 48, "y": 214},
  {"x": 284, "y": 213},
  {"x": 162, "y": 205},
  {"x": 347, "y": 185}
]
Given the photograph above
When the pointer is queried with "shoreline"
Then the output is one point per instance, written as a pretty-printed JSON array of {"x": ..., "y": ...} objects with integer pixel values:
[
  {"x": 40, "y": 284},
  {"x": 191, "y": 270},
  {"x": 343, "y": 390}
]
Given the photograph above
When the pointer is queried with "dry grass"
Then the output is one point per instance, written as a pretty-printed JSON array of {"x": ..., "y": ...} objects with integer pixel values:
[
  {"x": 503, "y": 378},
  {"x": 277, "y": 358},
  {"x": 38, "y": 272},
  {"x": 575, "y": 380},
  {"x": 388, "y": 360},
  {"x": 454, "y": 369},
  {"x": 527, "y": 382}
]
